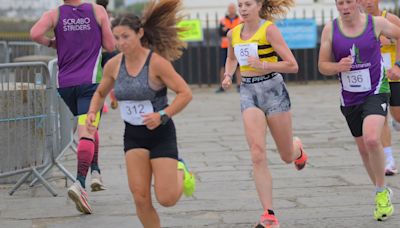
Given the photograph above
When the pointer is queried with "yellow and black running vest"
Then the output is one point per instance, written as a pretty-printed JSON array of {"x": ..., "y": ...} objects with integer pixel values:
[{"x": 265, "y": 51}]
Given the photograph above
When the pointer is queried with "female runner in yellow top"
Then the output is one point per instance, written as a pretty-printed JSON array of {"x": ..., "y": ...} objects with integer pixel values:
[{"x": 264, "y": 99}]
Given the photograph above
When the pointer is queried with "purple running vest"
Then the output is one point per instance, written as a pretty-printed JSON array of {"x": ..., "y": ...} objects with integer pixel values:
[
  {"x": 79, "y": 42},
  {"x": 366, "y": 54}
]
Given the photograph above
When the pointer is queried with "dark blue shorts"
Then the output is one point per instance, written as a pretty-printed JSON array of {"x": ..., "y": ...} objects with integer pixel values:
[
  {"x": 223, "y": 53},
  {"x": 78, "y": 98}
]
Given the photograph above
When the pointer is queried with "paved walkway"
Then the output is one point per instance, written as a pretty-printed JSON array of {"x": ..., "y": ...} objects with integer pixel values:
[{"x": 333, "y": 191}]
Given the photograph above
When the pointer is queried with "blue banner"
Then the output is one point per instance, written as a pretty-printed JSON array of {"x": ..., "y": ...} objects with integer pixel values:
[{"x": 299, "y": 33}]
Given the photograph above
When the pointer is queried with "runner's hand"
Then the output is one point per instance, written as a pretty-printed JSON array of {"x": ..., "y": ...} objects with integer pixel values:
[
  {"x": 152, "y": 120},
  {"x": 114, "y": 104},
  {"x": 91, "y": 118},
  {"x": 385, "y": 40},
  {"x": 255, "y": 62},
  {"x": 394, "y": 73},
  {"x": 227, "y": 82},
  {"x": 345, "y": 64}
]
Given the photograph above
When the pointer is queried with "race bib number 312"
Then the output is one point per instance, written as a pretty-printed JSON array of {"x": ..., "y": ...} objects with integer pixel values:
[{"x": 132, "y": 111}]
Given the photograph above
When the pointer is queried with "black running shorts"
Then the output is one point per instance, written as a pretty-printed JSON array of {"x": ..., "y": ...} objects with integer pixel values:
[
  {"x": 161, "y": 142},
  {"x": 374, "y": 105}
]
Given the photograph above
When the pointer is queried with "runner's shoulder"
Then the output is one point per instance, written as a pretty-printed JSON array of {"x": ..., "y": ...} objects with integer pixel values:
[{"x": 393, "y": 19}]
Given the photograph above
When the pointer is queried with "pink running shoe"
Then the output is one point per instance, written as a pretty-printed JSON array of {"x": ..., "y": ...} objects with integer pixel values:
[
  {"x": 78, "y": 194},
  {"x": 268, "y": 220},
  {"x": 300, "y": 162},
  {"x": 105, "y": 108}
]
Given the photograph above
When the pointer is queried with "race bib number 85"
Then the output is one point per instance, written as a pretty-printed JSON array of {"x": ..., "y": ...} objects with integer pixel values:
[
  {"x": 244, "y": 51},
  {"x": 356, "y": 81},
  {"x": 132, "y": 111}
]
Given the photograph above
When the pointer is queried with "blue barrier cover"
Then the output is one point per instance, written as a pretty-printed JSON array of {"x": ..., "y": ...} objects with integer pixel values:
[{"x": 299, "y": 33}]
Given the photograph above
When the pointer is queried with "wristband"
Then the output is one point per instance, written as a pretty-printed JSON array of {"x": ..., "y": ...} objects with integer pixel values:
[
  {"x": 162, "y": 112},
  {"x": 228, "y": 75}
]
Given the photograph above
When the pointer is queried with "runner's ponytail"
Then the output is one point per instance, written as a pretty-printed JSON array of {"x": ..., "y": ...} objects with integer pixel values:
[
  {"x": 159, "y": 25},
  {"x": 160, "y": 31},
  {"x": 272, "y": 9}
]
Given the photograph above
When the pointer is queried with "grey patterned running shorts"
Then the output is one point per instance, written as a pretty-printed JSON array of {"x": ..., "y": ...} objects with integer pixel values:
[{"x": 268, "y": 94}]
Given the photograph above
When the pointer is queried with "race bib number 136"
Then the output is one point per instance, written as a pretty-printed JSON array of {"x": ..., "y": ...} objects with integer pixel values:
[{"x": 356, "y": 81}]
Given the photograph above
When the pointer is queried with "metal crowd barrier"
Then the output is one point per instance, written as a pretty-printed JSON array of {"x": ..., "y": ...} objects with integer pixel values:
[
  {"x": 4, "y": 56},
  {"x": 26, "y": 138},
  {"x": 64, "y": 124},
  {"x": 26, "y": 48}
]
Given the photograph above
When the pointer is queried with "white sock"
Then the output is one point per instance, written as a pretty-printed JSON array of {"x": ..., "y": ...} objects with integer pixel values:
[
  {"x": 380, "y": 189},
  {"x": 388, "y": 153}
]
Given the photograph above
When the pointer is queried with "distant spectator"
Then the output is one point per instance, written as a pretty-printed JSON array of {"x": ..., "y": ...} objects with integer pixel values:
[{"x": 227, "y": 23}]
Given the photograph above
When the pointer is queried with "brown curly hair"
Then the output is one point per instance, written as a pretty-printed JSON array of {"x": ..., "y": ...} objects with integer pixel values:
[
  {"x": 159, "y": 22},
  {"x": 274, "y": 8}
]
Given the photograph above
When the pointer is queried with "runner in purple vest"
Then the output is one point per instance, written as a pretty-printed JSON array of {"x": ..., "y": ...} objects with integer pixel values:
[
  {"x": 350, "y": 48},
  {"x": 81, "y": 30}
]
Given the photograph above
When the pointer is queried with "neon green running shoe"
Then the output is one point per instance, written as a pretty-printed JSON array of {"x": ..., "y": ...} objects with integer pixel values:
[
  {"x": 189, "y": 182},
  {"x": 384, "y": 208}
]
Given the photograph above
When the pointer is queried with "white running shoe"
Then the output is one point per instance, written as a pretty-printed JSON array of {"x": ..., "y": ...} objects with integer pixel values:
[
  {"x": 96, "y": 183},
  {"x": 390, "y": 168},
  {"x": 78, "y": 194}
]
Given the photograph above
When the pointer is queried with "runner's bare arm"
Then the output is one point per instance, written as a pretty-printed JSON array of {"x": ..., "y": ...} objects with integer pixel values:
[
  {"x": 108, "y": 42},
  {"x": 326, "y": 62},
  {"x": 39, "y": 30},
  {"x": 167, "y": 74},
  {"x": 393, "y": 19},
  {"x": 110, "y": 73},
  {"x": 231, "y": 61},
  {"x": 390, "y": 30},
  {"x": 288, "y": 63}
]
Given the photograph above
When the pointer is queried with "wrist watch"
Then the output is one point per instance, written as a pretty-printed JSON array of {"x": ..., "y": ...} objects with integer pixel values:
[{"x": 164, "y": 117}]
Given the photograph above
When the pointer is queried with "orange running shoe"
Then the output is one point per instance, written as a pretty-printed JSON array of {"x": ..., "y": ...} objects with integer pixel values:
[{"x": 300, "y": 162}]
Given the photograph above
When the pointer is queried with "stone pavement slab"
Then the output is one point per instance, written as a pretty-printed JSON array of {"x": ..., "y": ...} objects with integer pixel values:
[{"x": 333, "y": 191}]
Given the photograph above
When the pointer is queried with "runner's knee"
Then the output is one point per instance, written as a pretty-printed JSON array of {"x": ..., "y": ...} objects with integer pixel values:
[{"x": 258, "y": 154}]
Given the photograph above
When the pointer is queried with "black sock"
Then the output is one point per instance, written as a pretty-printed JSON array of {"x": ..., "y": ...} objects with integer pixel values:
[{"x": 271, "y": 212}]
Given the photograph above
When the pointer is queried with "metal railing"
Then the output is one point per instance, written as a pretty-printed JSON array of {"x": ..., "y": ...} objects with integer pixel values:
[
  {"x": 25, "y": 120},
  {"x": 18, "y": 49},
  {"x": 4, "y": 57},
  {"x": 37, "y": 126},
  {"x": 63, "y": 138}
]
